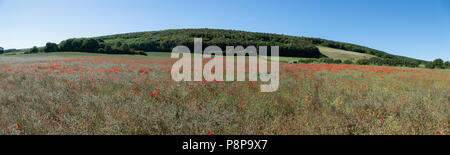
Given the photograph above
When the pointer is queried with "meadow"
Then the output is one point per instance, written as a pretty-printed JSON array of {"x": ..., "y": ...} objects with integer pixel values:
[{"x": 95, "y": 95}]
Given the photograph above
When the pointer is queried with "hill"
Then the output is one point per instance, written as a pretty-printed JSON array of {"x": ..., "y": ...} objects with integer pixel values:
[
  {"x": 166, "y": 40},
  {"x": 290, "y": 46}
]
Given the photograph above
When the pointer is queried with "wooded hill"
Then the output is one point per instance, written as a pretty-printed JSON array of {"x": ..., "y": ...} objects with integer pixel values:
[
  {"x": 166, "y": 40},
  {"x": 290, "y": 46}
]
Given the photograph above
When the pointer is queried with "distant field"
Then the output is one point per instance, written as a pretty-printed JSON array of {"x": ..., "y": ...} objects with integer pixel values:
[
  {"x": 342, "y": 54},
  {"x": 150, "y": 55}
]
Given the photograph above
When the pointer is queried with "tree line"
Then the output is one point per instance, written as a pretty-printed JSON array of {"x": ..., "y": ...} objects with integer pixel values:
[
  {"x": 436, "y": 64},
  {"x": 90, "y": 45}
]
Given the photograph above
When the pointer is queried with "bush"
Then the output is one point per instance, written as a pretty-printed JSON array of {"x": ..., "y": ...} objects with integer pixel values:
[
  {"x": 306, "y": 61},
  {"x": 363, "y": 62},
  {"x": 34, "y": 50},
  {"x": 326, "y": 60},
  {"x": 337, "y": 61},
  {"x": 348, "y": 62}
]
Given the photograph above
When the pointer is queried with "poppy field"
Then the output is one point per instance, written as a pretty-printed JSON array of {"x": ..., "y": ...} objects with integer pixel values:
[{"x": 93, "y": 95}]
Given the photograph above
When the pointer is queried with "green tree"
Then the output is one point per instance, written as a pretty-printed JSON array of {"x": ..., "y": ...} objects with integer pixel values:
[
  {"x": 447, "y": 64},
  {"x": 90, "y": 45},
  {"x": 34, "y": 50},
  {"x": 429, "y": 65},
  {"x": 1, "y": 50},
  {"x": 51, "y": 47},
  {"x": 438, "y": 63}
]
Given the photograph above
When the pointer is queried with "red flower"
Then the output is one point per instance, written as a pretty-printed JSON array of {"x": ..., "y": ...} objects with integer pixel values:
[{"x": 154, "y": 93}]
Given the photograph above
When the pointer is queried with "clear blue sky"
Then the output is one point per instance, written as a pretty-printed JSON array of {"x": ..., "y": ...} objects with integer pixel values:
[{"x": 414, "y": 28}]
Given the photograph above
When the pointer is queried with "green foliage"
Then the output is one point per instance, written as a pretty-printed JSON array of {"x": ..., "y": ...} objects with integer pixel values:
[
  {"x": 33, "y": 50},
  {"x": 337, "y": 61},
  {"x": 165, "y": 41},
  {"x": 95, "y": 45},
  {"x": 429, "y": 65},
  {"x": 348, "y": 62},
  {"x": 363, "y": 62},
  {"x": 326, "y": 60},
  {"x": 438, "y": 63},
  {"x": 51, "y": 47},
  {"x": 371, "y": 61},
  {"x": 290, "y": 46},
  {"x": 307, "y": 61},
  {"x": 1, "y": 50}
]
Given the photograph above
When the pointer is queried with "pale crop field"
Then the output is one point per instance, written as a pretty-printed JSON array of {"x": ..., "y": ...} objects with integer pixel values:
[
  {"x": 343, "y": 54},
  {"x": 44, "y": 94}
]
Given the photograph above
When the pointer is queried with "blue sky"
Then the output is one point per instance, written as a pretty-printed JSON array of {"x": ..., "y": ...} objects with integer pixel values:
[{"x": 414, "y": 28}]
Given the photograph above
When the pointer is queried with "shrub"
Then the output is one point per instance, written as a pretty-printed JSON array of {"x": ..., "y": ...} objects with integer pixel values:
[
  {"x": 348, "y": 62},
  {"x": 337, "y": 61},
  {"x": 363, "y": 62},
  {"x": 34, "y": 50}
]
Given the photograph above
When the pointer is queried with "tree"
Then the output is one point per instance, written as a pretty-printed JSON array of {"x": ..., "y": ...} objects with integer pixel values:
[
  {"x": 34, "y": 50},
  {"x": 376, "y": 61},
  {"x": 1, "y": 50},
  {"x": 438, "y": 63},
  {"x": 429, "y": 65},
  {"x": 447, "y": 64},
  {"x": 90, "y": 45},
  {"x": 51, "y": 47}
]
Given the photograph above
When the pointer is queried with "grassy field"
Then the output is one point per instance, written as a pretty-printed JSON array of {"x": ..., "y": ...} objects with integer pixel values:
[
  {"x": 79, "y": 93},
  {"x": 342, "y": 54}
]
